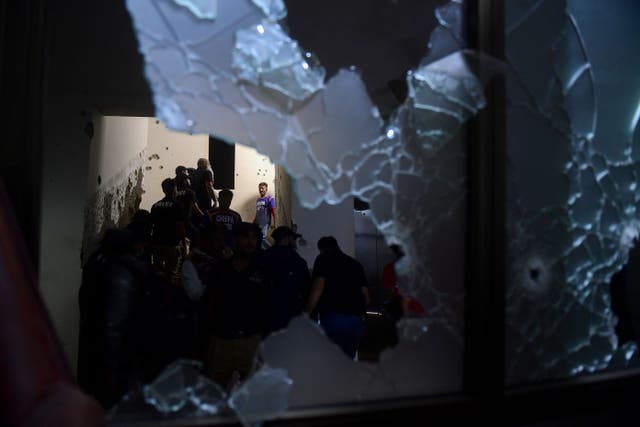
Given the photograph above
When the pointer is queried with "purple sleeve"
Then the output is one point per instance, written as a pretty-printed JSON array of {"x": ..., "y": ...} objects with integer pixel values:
[{"x": 273, "y": 202}]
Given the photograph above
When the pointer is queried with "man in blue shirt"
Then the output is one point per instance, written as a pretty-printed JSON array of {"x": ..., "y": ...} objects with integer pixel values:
[{"x": 265, "y": 209}]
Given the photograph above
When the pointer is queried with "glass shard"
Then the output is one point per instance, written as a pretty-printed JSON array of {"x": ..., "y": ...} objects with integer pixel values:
[
  {"x": 203, "y": 9},
  {"x": 168, "y": 392},
  {"x": 411, "y": 361},
  {"x": 450, "y": 17},
  {"x": 274, "y": 9},
  {"x": 318, "y": 355},
  {"x": 447, "y": 38},
  {"x": 207, "y": 396},
  {"x": 263, "y": 396},
  {"x": 448, "y": 87},
  {"x": 181, "y": 383},
  {"x": 264, "y": 54}
]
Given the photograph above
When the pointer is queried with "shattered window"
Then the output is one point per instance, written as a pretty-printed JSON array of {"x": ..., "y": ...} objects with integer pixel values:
[
  {"x": 231, "y": 68},
  {"x": 573, "y": 218}
]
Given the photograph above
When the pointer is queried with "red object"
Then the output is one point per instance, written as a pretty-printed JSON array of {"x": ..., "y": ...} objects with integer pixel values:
[
  {"x": 413, "y": 308},
  {"x": 410, "y": 306},
  {"x": 36, "y": 386}
]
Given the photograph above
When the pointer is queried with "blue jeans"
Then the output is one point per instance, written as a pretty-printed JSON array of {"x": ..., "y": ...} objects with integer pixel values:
[
  {"x": 265, "y": 230},
  {"x": 346, "y": 330}
]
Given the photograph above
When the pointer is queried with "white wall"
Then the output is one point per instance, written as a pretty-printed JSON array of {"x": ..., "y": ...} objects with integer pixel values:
[
  {"x": 64, "y": 185},
  {"x": 166, "y": 150},
  {"x": 114, "y": 177},
  {"x": 117, "y": 140},
  {"x": 325, "y": 220}
]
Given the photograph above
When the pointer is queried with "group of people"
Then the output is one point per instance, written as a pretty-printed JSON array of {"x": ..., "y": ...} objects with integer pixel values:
[{"x": 190, "y": 279}]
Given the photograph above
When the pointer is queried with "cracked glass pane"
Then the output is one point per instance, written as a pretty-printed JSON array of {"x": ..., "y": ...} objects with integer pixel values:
[
  {"x": 572, "y": 188},
  {"x": 266, "y": 55},
  {"x": 242, "y": 78}
]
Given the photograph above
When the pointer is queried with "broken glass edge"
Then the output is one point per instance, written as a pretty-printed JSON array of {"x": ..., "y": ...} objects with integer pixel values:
[
  {"x": 274, "y": 9},
  {"x": 388, "y": 228},
  {"x": 202, "y": 9}
]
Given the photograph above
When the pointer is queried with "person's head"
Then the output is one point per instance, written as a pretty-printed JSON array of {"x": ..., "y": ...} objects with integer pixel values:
[
  {"x": 182, "y": 181},
  {"x": 203, "y": 163},
  {"x": 117, "y": 242},
  {"x": 245, "y": 239},
  {"x": 181, "y": 170},
  {"x": 169, "y": 187},
  {"x": 212, "y": 238},
  {"x": 328, "y": 244},
  {"x": 224, "y": 198},
  {"x": 397, "y": 251},
  {"x": 285, "y": 236},
  {"x": 263, "y": 188},
  {"x": 140, "y": 226}
]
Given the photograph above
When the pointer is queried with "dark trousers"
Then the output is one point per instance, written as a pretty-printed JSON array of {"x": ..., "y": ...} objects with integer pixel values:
[{"x": 346, "y": 330}]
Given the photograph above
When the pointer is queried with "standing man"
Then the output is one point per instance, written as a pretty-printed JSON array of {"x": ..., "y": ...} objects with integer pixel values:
[
  {"x": 168, "y": 237},
  {"x": 339, "y": 294},
  {"x": 181, "y": 170},
  {"x": 224, "y": 215},
  {"x": 234, "y": 298},
  {"x": 287, "y": 279},
  {"x": 203, "y": 185},
  {"x": 265, "y": 209},
  {"x": 187, "y": 197}
]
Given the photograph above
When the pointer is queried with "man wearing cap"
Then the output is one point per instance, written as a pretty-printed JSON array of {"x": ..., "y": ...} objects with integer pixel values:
[{"x": 287, "y": 279}]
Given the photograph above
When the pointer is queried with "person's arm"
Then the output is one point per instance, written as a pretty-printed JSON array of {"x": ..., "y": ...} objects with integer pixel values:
[
  {"x": 367, "y": 296},
  {"x": 195, "y": 208},
  {"x": 317, "y": 288},
  {"x": 182, "y": 234},
  {"x": 181, "y": 230},
  {"x": 305, "y": 281},
  {"x": 364, "y": 288},
  {"x": 210, "y": 191},
  {"x": 152, "y": 222},
  {"x": 273, "y": 210},
  {"x": 208, "y": 185}
]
